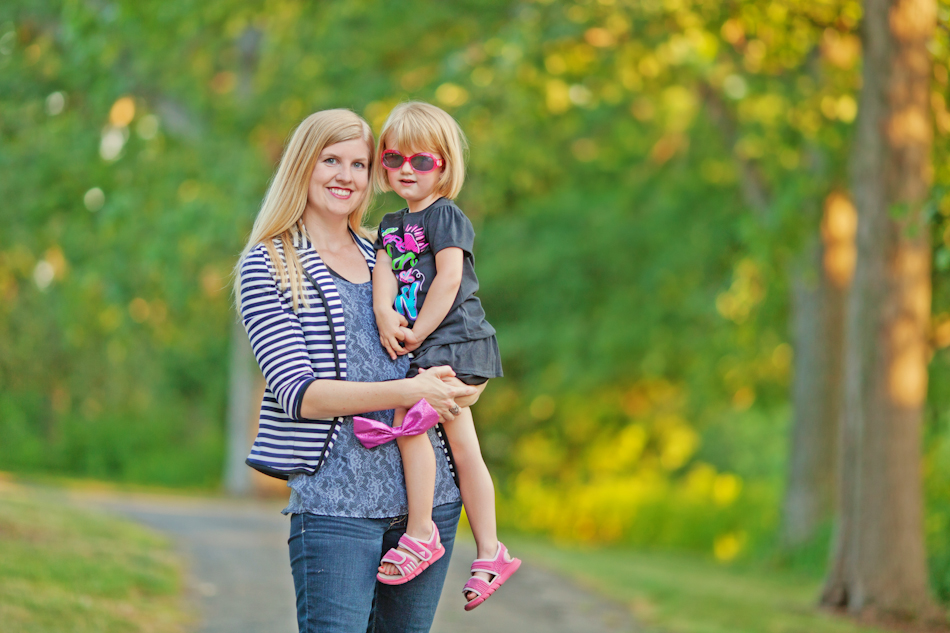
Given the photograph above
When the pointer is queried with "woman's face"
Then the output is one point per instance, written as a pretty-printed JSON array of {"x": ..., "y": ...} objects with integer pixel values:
[{"x": 339, "y": 179}]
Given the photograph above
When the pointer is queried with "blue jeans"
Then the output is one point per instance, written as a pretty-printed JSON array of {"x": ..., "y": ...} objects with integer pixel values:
[{"x": 334, "y": 562}]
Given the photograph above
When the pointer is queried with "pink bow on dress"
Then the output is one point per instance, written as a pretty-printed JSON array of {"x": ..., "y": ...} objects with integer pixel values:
[{"x": 419, "y": 419}]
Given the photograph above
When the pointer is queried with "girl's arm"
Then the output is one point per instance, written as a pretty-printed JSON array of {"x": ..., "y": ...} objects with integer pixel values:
[
  {"x": 441, "y": 295},
  {"x": 331, "y": 398},
  {"x": 388, "y": 321}
]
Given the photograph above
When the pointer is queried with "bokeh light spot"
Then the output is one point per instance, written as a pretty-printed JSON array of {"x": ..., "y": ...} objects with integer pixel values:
[
  {"x": 43, "y": 274},
  {"x": 451, "y": 95},
  {"x": 735, "y": 87},
  {"x": 55, "y": 103},
  {"x": 94, "y": 199},
  {"x": 122, "y": 112},
  {"x": 113, "y": 140}
]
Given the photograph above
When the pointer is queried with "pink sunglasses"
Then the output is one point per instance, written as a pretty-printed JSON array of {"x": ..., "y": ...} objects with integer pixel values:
[{"x": 421, "y": 163}]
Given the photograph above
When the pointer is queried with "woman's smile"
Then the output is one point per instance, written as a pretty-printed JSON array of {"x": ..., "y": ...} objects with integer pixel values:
[{"x": 338, "y": 192}]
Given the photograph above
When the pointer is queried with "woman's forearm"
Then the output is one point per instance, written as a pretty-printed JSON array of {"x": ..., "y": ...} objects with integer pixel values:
[{"x": 331, "y": 398}]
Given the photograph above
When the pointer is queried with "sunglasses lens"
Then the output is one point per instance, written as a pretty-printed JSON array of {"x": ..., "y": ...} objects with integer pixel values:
[
  {"x": 420, "y": 162},
  {"x": 392, "y": 160}
]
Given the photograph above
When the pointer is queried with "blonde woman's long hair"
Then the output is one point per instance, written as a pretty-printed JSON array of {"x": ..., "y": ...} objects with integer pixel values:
[{"x": 281, "y": 212}]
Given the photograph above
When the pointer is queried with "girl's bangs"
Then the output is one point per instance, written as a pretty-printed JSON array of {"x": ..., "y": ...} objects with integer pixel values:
[{"x": 410, "y": 136}]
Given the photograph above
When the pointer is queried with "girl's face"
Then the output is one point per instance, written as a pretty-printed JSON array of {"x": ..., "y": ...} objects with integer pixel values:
[
  {"x": 419, "y": 190},
  {"x": 340, "y": 179}
]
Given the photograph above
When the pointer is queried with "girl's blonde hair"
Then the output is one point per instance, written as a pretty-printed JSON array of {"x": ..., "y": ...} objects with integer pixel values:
[
  {"x": 415, "y": 126},
  {"x": 282, "y": 210}
]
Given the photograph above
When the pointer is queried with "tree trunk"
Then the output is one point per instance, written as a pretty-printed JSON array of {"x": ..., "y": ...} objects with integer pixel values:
[
  {"x": 817, "y": 331},
  {"x": 880, "y": 559},
  {"x": 243, "y": 379},
  {"x": 244, "y": 376}
]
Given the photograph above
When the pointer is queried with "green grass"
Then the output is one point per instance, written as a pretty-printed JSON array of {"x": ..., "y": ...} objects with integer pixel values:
[
  {"x": 681, "y": 593},
  {"x": 68, "y": 570}
]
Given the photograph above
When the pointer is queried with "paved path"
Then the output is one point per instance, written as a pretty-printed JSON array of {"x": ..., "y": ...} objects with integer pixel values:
[
  {"x": 533, "y": 601},
  {"x": 239, "y": 576}
]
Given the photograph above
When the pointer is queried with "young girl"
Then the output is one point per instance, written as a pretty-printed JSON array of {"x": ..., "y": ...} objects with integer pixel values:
[{"x": 424, "y": 288}]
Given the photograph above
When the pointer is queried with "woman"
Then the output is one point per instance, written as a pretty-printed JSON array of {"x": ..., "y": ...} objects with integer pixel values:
[{"x": 306, "y": 302}]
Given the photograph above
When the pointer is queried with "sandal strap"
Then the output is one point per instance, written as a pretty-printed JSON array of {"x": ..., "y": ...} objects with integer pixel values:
[
  {"x": 423, "y": 550},
  {"x": 475, "y": 585},
  {"x": 404, "y": 563},
  {"x": 492, "y": 565}
]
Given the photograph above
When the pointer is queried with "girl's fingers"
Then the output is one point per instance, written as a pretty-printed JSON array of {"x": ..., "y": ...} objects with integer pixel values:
[
  {"x": 387, "y": 345},
  {"x": 465, "y": 390},
  {"x": 395, "y": 349},
  {"x": 440, "y": 372}
]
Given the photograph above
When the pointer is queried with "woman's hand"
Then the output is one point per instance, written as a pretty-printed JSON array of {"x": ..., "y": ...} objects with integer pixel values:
[
  {"x": 441, "y": 395},
  {"x": 465, "y": 401},
  {"x": 390, "y": 324}
]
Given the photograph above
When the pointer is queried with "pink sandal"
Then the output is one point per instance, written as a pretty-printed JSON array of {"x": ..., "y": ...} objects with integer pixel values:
[
  {"x": 502, "y": 570},
  {"x": 425, "y": 552}
]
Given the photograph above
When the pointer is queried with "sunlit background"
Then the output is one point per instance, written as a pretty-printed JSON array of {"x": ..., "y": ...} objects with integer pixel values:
[{"x": 649, "y": 181}]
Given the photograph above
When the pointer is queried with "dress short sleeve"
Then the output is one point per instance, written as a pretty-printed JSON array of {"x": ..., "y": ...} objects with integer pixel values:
[
  {"x": 378, "y": 242},
  {"x": 448, "y": 226}
]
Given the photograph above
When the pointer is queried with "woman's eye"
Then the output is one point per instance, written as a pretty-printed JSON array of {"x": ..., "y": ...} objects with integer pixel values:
[
  {"x": 359, "y": 165},
  {"x": 330, "y": 161}
]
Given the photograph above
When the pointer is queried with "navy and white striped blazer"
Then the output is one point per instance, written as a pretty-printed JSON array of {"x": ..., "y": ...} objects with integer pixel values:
[{"x": 293, "y": 350}]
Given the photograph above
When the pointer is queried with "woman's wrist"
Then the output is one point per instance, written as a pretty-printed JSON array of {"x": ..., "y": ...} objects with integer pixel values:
[{"x": 411, "y": 392}]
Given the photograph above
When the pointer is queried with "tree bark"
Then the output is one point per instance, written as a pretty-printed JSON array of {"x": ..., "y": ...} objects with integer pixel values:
[
  {"x": 817, "y": 332},
  {"x": 880, "y": 560}
]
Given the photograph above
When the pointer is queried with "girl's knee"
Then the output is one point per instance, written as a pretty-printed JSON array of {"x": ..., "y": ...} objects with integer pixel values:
[{"x": 466, "y": 453}]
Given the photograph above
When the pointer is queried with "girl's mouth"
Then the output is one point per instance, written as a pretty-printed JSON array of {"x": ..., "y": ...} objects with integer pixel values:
[
  {"x": 408, "y": 182},
  {"x": 337, "y": 192}
]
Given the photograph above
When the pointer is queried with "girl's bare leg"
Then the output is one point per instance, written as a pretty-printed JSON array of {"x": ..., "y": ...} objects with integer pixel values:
[
  {"x": 418, "y": 464},
  {"x": 478, "y": 491}
]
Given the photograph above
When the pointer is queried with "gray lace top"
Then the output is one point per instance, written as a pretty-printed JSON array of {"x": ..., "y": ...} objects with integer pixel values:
[{"x": 356, "y": 481}]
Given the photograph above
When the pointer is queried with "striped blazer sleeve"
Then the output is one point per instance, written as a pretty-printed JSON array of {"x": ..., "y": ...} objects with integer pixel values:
[{"x": 275, "y": 333}]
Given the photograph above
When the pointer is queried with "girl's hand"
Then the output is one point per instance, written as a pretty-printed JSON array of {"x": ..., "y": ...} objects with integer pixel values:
[
  {"x": 465, "y": 401},
  {"x": 391, "y": 324},
  {"x": 410, "y": 340},
  {"x": 440, "y": 395}
]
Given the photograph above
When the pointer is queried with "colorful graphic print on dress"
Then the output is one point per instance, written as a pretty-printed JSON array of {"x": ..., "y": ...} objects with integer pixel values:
[{"x": 404, "y": 251}]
